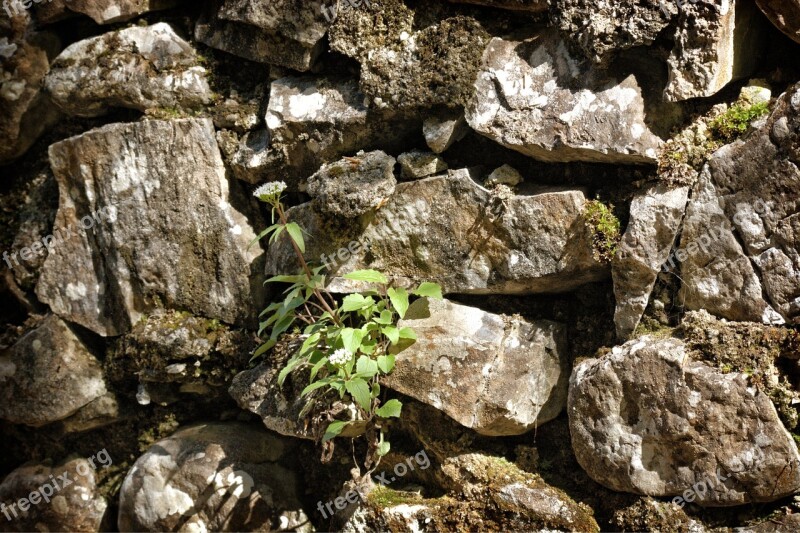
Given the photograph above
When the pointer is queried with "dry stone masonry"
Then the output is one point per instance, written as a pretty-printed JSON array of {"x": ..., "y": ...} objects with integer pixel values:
[{"x": 606, "y": 193}]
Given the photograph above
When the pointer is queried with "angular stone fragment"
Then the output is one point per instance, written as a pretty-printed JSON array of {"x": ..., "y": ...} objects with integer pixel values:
[
  {"x": 350, "y": 187},
  {"x": 645, "y": 419},
  {"x": 450, "y": 230},
  {"x": 656, "y": 215},
  {"x": 533, "y": 6},
  {"x": 417, "y": 164},
  {"x": 740, "y": 249},
  {"x": 282, "y": 32},
  {"x": 496, "y": 375},
  {"x": 145, "y": 221},
  {"x": 77, "y": 506},
  {"x": 784, "y": 14},
  {"x": 715, "y": 43},
  {"x": 532, "y": 96},
  {"x": 48, "y": 375},
  {"x": 137, "y": 67},
  {"x": 25, "y": 110},
  {"x": 213, "y": 477},
  {"x": 312, "y": 121},
  {"x": 441, "y": 132},
  {"x": 403, "y": 67},
  {"x": 101, "y": 11},
  {"x": 246, "y": 157}
]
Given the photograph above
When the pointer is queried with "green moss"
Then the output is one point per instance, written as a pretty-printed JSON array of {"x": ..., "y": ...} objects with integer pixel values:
[
  {"x": 605, "y": 227},
  {"x": 733, "y": 123},
  {"x": 383, "y": 497}
]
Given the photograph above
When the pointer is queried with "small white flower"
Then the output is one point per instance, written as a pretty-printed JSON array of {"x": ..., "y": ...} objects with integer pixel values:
[
  {"x": 270, "y": 192},
  {"x": 340, "y": 357}
]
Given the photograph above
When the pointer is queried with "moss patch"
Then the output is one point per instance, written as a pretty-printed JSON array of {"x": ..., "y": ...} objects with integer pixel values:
[
  {"x": 734, "y": 122},
  {"x": 605, "y": 228}
]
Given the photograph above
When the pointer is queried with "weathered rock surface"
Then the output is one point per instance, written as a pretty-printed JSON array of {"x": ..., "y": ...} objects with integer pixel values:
[
  {"x": 739, "y": 257},
  {"x": 160, "y": 228},
  {"x": 785, "y": 14},
  {"x": 351, "y": 187},
  {"x": 450, "y": 230},
  {"x": 312, "y": 121},
  {"x": 25, "y": 111},
  {"x": 441, "y": 132},
  {"x": 403, "y": 67},
  {"x": 101, "y": 11},
  {"x": 655, "y": 217},
  {"x": 645, "y": 419},
  {"x": 532, "y": 96},
  {"x": 715, "y": 43},
  {"x": 600, "y": 30},
  {"x": 284, "y": 32},
  {"x": 216, "y": 477},
  {"x": 195, "y": 355},
  {"x": 246, "y": 157},
  {"x": 77, "y": 506},
  {"x": 533, "y": 6},
  {"x": 523, "y": 367},
  {"x": 137, "y": 67},
  {"x": 417, "y": 164},
  {"x": 48, "y": 375}
]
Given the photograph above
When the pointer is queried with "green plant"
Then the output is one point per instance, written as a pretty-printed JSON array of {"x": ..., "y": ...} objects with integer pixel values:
[
  {"x": 349, "y": 345},
  {"x": 605, "y": 227},
  {"x": 734, "y": 122}
]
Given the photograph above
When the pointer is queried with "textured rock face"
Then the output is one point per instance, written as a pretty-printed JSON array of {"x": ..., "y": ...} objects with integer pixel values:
[
  {"x": 715, "y": 43},
  {"x": 656, "y": 215},
  {"x": 450, "y": 230},
  {"x": 283, "y": 32},
  {"x": 25, "y": 111},
  {"x": 351, "y": 187},
  {"x": 418, "y": 164},
  {"x": 533, "y": 6},
  {"x": 77, "y": 506},
  {"x": 600, "y": 30},
  {"x": 160, "y": 228},
  {"x": 216, "y": 477},
  {"x": 785, "y": 14},
  {"x": 523, "y": 367},
  {"x": 441, "y": 132},
  {"x": 138, "y": 67},
  {"x": 534, "y": 97},
  {"x": 246, "y": 157},
  {"x": 740, "y": 258},
  {"x": 312, "y": 121},
  {"x": 406, "y": 68},
  {"x": 101, "y": 11},
  {"x": 47, "y": 376},
  {"x": 647, "y": 420}
]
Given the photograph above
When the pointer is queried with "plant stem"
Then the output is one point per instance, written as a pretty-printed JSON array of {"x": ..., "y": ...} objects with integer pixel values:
[{"x": 284, "y": 221}]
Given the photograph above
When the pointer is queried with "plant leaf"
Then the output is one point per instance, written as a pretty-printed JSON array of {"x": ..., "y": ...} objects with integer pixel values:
[
  {"x": 296, "y": 233},
  {"x": 383, "y": 448},
  {"x": 334, "y": 429},
  {"x": 351, "y": 339},
  {"x": 366, "y": 367},
  {"x": 392, "y": 333},
  {"x": 354, "y": 302},
  {"x": 390, "y": 409},
  {"x": 360, "y": 392},
  {"x": 399, "y": 298},
  {"x": 372, "y": 276},
  {"x": 385, "y": 319},
  {"x": 386, "y": 363},
  {"x": 316, "y": 385},
  {"x": 408, "y": 333},
  {"x": 431, "y": 290}
]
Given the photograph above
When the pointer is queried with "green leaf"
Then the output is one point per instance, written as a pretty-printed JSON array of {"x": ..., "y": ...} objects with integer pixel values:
[
  {"x": 376, "y": 390},
  {"x": 310, "y": 343},
  {"x": 373, "y": 276},
  {"x": 318, "y": 366},
  {"x": 297, "y": 278},
  {"x": 431, "y": 290},
  {"x": 316, "y": 385},
  {"x": 351, "y": 339},
  {"x": 386, "y": 363},
  {"x": 399, "y": 298},
  {"x": 354, "y": 302},
  {"x": 263, "y": 348},
  {"x": 262, "y": 235},
  {"x": 366, "y": 367},
  {"x": 360, "y": 392},
  {"x": 293, "y": 363},
  {"x": 392, "y": 333},
  {"x": 334, "y": 428},
  {"x": 297, "y": 235},
  {"x": 408, "y": 333},
  {"x": 383, "y": 448},
  {"x": 390, "y": 409},
  {"x": 277, "y": 234},
  {"x": 385, "y": 319}
]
